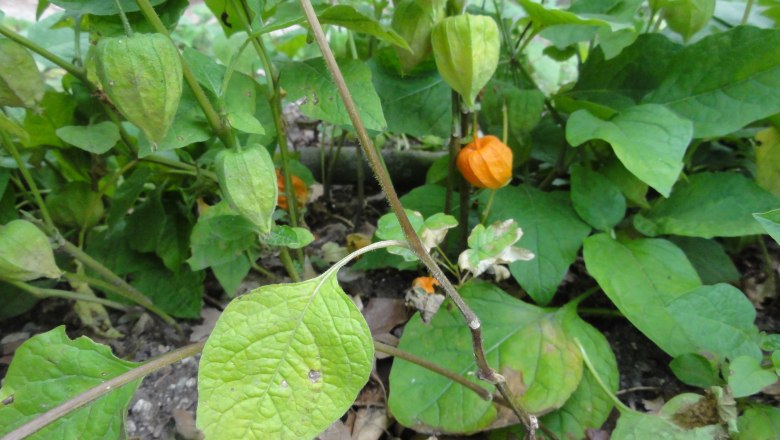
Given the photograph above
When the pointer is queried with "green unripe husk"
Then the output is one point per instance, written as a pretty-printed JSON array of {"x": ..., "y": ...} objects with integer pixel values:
[
  {"x": 25, "y": 253},
  {"x": 414, "y": 20},
  {"x": 466, "y": 48},
  {"x": 142, "y": 76},
  {"x": 248, "y": 182}
]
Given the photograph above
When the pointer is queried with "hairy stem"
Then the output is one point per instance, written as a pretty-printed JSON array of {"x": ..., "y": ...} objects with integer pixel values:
[{"x": 485, "y": 371}]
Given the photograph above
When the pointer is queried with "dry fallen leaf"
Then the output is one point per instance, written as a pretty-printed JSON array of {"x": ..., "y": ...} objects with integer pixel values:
[
  {"x": 202, "y": 330},
  {"x": 370, "y": 424},
  {"x": 185, "y": 425}
]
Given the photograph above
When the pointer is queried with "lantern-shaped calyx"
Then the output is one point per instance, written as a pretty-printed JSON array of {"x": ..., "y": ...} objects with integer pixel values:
[{"x": 486, "y": 163}]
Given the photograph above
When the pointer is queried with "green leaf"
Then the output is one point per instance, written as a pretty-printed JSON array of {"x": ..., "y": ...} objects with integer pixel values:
[
  {"x": 189, "y": 126},
  {"x": 746, "y": 376},
  {"x": 25, "y": 253},
  {"x": 310, "y": 80},
  {"x": 431, "y": 231},
  {"x": 217, "y": 240},
  {"x": 589, "y": 406},
  {"x": 99, "y": 7},
  {"x": 428, "y": 200},
  {"x": 50, "y": 368},
  {"x": 695, "y": 370},
  {"x": 342, "y": 15},
  {"x": 178, "y": 293},
  {"x": 21, "y": 84},
  {"x": 111, "y": 247},
  {"x": 417, "y": 105},
  {"x": 147, "y": 222},
  {"x": 245, "y": 122},
  {"x": 542, "y": 17},
  {"x": 718, "y": 320},
  {"x": 492, "y": 246},
  {"x": 634, "y": 426},
  {"x": 759, "y": 422},
  {"x": 768, "y": 160},
  {"x": 634, "y": 189},
  {"x": 596, "y": 199},
  {"x": 649, "y": 140},
  {"x": 642, "y": 277},
  {"x": 551, "y": 230},
  {"x": 710, "y": 205},
  {"x": 348, "y": 17},
  {"x": 75, "y": 205},
  {"x": 126, "y": 194},
  {"x": 57, "y": 111},
  {"x": 206, "y": 70},
  {"x": 528, "y": 346},
  {"x": 770, "y": 221},
  {"x": 173, "y": 247},
  {"x": 14, "y": 302},
  {"x": 523, "y": 109},
  {"x": 97, "y": 138},
  {"x": 724, "y": 81},
  {"x": 710, "y": 260},
  {"x": 231, "y": 273},
  {"x": 283, "y": 361},
  {"x": 293, "y": 238},
  {"x": 621, "y": 82}
]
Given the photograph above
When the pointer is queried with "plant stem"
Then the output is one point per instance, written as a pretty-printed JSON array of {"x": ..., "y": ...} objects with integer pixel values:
[
  {"x": 455, "y": 136},
  {"x": 621, "y": 407},
  {"x": 428, "y": 365},
  {"x": 484, "y": 372},
  {"x": 104, "y": 388},
  {"x": 115, "y": 284},
  {"x": 746, "y": 15},
  {"x": 180, "y": 165},
  {"x": 68, "y": 67},
  {"x": 56, "y": 293},
  {"x": 123, "y": 17},
  {"x": 284, "y": 255},
  {"x": 486, "y": 212},
  {"x": 220, "y": 129},
  {"x": 11, "y": 148}
]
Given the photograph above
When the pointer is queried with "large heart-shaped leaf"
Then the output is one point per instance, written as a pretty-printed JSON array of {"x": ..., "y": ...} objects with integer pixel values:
[
  {"x": 529, "y": 347},
  {"x": 589, "y": 405},
  {"x": 642, "y": 277},
  {"x": 51, "y": 368},
  {"x": 551, "y": 230},
  {"x": 709, "y": 205},
  {"x": 650, "y": 140},
  {"x": 724, "y": 81},
  {"x": 311, "y": 81},
  {"x": 719, "y": 319},
  {"x": 283, "y": 361}
]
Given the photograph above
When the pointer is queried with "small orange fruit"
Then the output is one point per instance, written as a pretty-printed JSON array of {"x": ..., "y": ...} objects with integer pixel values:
[{"x": 486, "y": 163}]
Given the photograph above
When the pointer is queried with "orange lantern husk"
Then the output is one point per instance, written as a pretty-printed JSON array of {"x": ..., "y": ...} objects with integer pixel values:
[
  {"x": 486, "y": 163},
  {"x": 426, "y": 284},
  {"x": 299, "y": 188}
]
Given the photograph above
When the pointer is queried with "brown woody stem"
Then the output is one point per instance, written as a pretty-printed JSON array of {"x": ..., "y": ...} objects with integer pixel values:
[{"x": 485, "y": 372}]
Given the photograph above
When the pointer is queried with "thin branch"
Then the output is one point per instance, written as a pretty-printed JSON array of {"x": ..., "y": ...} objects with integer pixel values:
[
  {"x": 485, "y": 372},
  {"x": 428, "y": 365},
  {"x": 40, "y": 292},
  {"x": 95, "y": 393}
]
